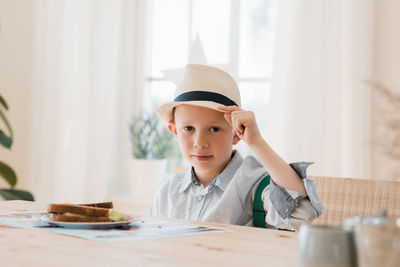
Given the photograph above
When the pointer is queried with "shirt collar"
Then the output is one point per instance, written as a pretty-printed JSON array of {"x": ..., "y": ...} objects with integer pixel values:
[
  {"x": 222, "y": 180},
  {"x": 188, "y": 180}
]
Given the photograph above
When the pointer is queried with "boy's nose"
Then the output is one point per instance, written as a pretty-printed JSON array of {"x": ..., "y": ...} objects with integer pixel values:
[{"x": 200, "y": 140}]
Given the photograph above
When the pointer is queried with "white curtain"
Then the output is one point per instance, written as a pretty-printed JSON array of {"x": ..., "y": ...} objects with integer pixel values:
[
  {"x": 320, "y": 100},
  {"x": 87, "y": 58}
]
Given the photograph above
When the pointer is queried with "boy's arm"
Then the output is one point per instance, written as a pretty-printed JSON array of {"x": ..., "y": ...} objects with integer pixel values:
[
  {"x": 281, "y": 173},
  {"x": 245, "y": 127}
]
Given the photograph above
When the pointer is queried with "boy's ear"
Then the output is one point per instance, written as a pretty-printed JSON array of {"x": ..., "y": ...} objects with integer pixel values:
[
  {"x": 236, "y": 139},
  {"x": 172, "y": 128}
]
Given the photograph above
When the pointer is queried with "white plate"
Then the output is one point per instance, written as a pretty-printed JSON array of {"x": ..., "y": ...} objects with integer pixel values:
[{"x": 88, "y": 225}]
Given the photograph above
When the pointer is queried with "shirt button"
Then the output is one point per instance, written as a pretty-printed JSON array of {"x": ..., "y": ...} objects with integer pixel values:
[{"x": 199, "y": 198}]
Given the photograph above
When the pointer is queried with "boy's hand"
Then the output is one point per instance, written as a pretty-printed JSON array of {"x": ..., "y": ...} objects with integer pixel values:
[{"x": 243, "y": 123}]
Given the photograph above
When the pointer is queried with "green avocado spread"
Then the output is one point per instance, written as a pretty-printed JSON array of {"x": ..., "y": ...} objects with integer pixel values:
[{"x": 116, "y": 216}]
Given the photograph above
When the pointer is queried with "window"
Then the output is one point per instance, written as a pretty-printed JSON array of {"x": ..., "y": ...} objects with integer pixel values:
[{"x": 235, "y": 32}]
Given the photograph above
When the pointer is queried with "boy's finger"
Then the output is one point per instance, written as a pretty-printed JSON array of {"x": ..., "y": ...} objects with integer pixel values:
[
  {"x": 228, "y": 117},
  {"x": 238, "y": 129},
  {"x": 228, "y": 108},
  {"x": 239, "y": 134},
  {"x": 238, "y": 124}
]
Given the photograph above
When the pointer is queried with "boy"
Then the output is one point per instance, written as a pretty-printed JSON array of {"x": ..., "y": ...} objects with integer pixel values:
[{"x": 206, "y": 119}]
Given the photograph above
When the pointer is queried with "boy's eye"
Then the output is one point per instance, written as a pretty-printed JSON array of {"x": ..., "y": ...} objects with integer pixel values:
[
  {"x": 214, "y": 129},
  {"x": 188, "y": 128}
]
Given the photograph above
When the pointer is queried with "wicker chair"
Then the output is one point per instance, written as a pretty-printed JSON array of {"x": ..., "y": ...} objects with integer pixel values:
[{"x": 348, "y": 197}]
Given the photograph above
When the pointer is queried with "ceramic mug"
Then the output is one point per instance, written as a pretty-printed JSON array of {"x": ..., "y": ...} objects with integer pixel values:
[
  {"x": 377, "y": 240},
  {"x": 326, "y": 246}
]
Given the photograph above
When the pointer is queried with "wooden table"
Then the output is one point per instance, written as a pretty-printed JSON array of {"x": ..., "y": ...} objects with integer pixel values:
[{"x": 245, "y": 246}]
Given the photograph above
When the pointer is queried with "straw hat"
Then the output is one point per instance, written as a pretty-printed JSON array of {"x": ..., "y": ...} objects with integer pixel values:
[{"x": 203, "y": 86}]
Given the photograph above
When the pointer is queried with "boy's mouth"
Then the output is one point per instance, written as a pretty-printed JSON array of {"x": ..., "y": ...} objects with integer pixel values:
[{"x": 201, "y": 157}]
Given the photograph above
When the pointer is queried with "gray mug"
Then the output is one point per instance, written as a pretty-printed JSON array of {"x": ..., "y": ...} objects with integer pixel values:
[{"x": 326, "y": 246}]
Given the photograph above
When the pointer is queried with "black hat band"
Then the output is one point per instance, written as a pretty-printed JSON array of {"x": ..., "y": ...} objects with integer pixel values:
[{"x": 205, "y": 96}]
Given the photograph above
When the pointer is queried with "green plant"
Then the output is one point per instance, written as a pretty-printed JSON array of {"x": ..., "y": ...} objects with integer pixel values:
[
  {"x": 150, "y": 140},
  {"x": 5, "y": 170}
]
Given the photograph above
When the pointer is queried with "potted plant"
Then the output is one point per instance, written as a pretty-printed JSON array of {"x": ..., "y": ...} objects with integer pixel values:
[
  {"x": 152, "y": 144},
  {"x": 6, "y": 172},
  {"x": 150, "y": 140}
]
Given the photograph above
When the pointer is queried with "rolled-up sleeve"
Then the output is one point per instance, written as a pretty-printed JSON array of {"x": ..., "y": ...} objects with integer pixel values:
[{"x": 287, "y": 209}]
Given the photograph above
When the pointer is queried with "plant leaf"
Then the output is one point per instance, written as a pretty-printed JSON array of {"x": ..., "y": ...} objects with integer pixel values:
[
  {"x": 5, "y": 140},
  {"x": 8, "y": 174},
  {"x": 15, "y": 194},
  {"x": 3, "y": 102}
]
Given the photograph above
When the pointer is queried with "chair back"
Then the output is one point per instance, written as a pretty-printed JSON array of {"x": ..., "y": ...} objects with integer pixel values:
[{"x": 348, "y": 197}]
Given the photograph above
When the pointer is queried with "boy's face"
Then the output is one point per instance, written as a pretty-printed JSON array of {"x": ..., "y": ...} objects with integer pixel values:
[{"x": 205, "y": 139}]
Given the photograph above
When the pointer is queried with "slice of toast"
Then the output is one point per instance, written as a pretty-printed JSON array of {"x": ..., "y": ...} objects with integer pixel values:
[
  {"x": 65, "y": 217},
  {"x": 106, "y": 205},
  {"x": 78, "y": 210}
]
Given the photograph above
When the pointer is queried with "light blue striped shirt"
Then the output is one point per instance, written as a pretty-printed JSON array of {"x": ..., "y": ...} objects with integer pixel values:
[{"x": 229, "y": 198}]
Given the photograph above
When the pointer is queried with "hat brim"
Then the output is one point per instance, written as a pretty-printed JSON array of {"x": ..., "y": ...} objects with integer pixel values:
[{"x": 165, "y": 111}]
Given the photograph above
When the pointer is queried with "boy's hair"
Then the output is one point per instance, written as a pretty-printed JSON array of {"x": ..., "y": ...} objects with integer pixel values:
[{"x": 173, "y": 115}]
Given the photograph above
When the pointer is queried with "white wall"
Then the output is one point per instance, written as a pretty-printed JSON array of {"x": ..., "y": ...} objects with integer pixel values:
[{"x": 16, "y": 20}]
